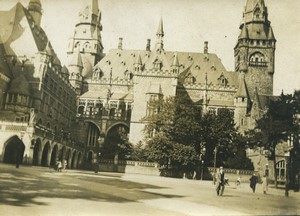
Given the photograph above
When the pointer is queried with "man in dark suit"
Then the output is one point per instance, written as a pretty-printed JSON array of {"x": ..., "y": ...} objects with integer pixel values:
[{"x": 220, "y": 182}]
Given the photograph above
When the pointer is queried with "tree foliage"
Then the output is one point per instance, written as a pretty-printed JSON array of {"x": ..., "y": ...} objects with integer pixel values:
[
  {"x": 117, "y": 143},
  {"x": 177, "y": 133},
  {"x": 276, "y": 125},
  {"x": 218, "y": 131},
  {"x": 175, "y": 130}
]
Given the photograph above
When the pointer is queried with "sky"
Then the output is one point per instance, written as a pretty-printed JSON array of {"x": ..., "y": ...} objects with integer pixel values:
[{"x": 187, "y": 24}]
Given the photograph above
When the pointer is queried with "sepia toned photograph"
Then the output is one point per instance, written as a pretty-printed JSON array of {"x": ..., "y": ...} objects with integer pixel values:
[{"x": 149, "y": 107}]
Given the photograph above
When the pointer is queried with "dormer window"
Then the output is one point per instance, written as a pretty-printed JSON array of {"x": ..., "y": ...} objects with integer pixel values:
[
  {"x": 190, "y": 78},
  {"x": 222, "y": 80},
  {"x": 157, "y": 64}
]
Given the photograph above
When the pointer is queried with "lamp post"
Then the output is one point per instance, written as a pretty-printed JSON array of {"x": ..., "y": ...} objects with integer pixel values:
[
  {"x": 202, "y": 162},
  {"x": 98, "y": 155},
  {"x": 202, "y": 153},
  {"x": 215, "y": 161}
]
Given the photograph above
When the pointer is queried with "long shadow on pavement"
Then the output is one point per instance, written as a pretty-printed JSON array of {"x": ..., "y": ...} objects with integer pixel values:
[{"x": 21, "y": 187}]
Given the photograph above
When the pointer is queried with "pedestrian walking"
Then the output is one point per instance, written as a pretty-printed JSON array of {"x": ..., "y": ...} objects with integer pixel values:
[
  {"x": 265, "y": 184},
  {"x": 65, "y": 164},
  {"x": 253, "y": 182},
  {"x": 59, "y": 166},
  {"x": 238, "y": 181},
  {"x": 220, "y": 182}
]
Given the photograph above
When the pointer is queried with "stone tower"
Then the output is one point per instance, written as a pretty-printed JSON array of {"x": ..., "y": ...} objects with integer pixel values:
[
  {"x": 35, "y": 9},
  {"x": 255, "y": 49},
  {"x": 75, "y": 70},
  {"x": 87, "y": 38}
]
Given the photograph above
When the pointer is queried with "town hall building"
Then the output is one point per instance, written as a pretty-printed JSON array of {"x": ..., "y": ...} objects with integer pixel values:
[{"x": 50, "y": 111}]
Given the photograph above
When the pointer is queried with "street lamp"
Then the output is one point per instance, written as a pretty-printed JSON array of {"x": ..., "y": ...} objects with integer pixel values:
[
  {"x": 202, "y": 153},
  {"x": 215, "y": 161},
  {"x": 202, "y": 162}
]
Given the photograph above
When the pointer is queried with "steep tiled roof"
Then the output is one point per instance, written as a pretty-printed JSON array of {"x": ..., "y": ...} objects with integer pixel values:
[
  {"x": 257, "y": 31},
  {"x": 11, "y": 29},
  {"x": 242, "y": 90},
  {"x": 195, "y": 64}
]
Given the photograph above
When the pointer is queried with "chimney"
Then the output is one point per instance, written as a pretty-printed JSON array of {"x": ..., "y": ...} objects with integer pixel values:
[
  {"x": 205, "y": 47},
  {"x": 148, "y": 46},
  {"x": 120, "y": 45}
]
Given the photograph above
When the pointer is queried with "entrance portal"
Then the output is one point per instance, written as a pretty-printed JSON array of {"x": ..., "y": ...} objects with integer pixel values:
[
  {"x": 45, "y": 155},
  {"x": 14, "y": 151}
]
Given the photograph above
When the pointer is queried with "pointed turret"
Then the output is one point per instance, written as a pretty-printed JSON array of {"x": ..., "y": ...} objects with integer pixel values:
[
  {"x": 159, "y": 37},
  {"x": 175, "y": 61},
  {"x": 48, "y": 49},
  {"x": 138, "y": 63},
  {"x": 138, "y": 60},
  {"x": 242, "y": 104},
  {"x": 160, "y": 30},
  {"x": 75, "y": 70},
  {"x": 76, "y": 59},
  {"x": 271, "y": 34},
  {"x": 175, "y": 64},
  {"x": 256, "y": 98},
  {"x": 244, "y": 33},
  {"x": 242, "y": 91}
]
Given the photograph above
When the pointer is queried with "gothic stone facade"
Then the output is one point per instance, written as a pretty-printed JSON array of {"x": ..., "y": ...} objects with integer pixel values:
[{"x": 78, "y": 106}]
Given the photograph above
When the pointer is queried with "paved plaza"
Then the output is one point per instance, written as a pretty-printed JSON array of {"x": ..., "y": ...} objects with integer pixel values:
[{"x": 42, "y": 191}]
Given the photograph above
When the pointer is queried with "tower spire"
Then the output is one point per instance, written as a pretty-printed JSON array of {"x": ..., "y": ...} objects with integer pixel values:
[
  {"x": 76, "y": 59},
  {"x": 256, "y": 10},
  {"x": 159, "y": 37},
  {"x": 95, "y": 7}
]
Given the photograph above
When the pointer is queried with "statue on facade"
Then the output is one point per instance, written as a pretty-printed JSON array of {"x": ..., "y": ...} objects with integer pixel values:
[{"x": 32, "y": 117}]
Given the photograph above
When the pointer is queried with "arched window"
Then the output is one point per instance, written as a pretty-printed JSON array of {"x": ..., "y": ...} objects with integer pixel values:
[
  {"x": 80, "y": 110},
  {"x": 112, "y": 112},
  {"x": 77, "y": 44},
  {"x": 87, "y": 46},
  {"x": 280, "y": 170},
  {"x": 257, "y": 59}
]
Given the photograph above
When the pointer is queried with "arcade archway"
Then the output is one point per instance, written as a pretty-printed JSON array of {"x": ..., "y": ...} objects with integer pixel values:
[
  {"x": 37, "y": 150},
  {"x": 14, "y": 151},
  {"x": 79, "y": 160},
  {"x": 116, "y": 144},
  {"x": 74, "y": 160},
  {"x": 46, "y": 151},
  {"x": 54, "y": 155}
]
